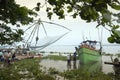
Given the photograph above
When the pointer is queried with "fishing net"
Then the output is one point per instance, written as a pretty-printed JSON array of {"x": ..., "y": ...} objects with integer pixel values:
[
  {"x": 46, "y": 41},
  {"x": 33, "y": 40}
]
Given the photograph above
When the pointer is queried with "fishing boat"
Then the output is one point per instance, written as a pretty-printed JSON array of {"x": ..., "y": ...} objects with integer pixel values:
[{"x": 88, "y": 53}]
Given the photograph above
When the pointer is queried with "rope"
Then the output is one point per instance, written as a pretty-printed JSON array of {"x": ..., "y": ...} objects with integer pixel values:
[{"x": 57, "y": 25}]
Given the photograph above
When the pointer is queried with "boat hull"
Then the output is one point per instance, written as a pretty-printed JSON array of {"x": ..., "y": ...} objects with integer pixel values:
[{"x": 88, "y": 56}]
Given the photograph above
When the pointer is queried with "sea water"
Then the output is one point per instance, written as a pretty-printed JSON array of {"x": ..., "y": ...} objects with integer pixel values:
[
  {"x": 71, "y": 48},
  {"x": 62, "y": 65}
]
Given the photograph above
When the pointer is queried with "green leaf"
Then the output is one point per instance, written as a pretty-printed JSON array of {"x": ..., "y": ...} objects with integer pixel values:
[
  {"x": 74, "y": 15},
  {"x": 118, "y": 21},
  {"x": 118, "y": 40},
  {"x": 48, "y": 9},
  {"x": 87, "y": 1},
  {"x": 115, "y": 27},
  {"x": 49, "y": 15},
  {"x": 111, "y": 39},
  {"x": 37, "y": 8},
  {"x": 52, "y": 2},
  {"x": 117, "y": 32},
  {"x": 107, "y": 16},
  {"x": 61, "y": 12},
  {"x": 69, "y": 9},
  {"x": 115, "y": 6},
  {"x": 38, "y": 4}
]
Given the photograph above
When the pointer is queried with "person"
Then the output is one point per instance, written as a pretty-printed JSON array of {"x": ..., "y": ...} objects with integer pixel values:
[
  {"x": 74, "y": 59},
  {"x": 75, "y": 55},
  {"x": 12, "y": 51},
  {"x": 1, "y": 56},
  {"x": 116, "y": 66},
  {"x": 9, "y": 57},
  {"x": 13, "y": 57},
  {"x": 69, "y": 61}
]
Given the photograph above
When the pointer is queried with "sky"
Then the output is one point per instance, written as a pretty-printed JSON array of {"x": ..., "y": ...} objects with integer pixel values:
[{"x": 80, "y": 29}]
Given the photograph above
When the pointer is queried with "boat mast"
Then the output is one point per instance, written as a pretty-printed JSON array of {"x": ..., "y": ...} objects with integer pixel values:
[
  {"x": 83, "y": 36},
  {"x": 100, "y": 35}
]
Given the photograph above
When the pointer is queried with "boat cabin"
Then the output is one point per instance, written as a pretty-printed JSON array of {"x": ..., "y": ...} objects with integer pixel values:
[{"x": 89, "y": 44}]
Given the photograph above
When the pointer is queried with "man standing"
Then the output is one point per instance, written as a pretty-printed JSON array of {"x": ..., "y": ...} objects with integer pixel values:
[
  {"x": 75, "y": 57},
  {"x": 74, "y": 60},
  {"x": 69, "y": 61}
]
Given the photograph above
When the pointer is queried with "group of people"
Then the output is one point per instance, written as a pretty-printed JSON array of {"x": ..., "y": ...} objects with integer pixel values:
[
  {"x": 70, "y": 58},
  {"x": 7, "y": 56}
]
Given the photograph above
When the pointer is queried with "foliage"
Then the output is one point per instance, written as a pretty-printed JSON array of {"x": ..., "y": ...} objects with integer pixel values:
[
  {"x": 42, "y": 51},
  {"x": 9, "y": 36},
  {"x": 108, "y": 54},
  {"x": 118, "y": 54},
  {"x": 52, "y": 71},
  {"x": 12, "y": 14},
  {"x": 80, "y": 74},
  {"x": 100, "y": 11},
  {"x": 27, "y": 69}
]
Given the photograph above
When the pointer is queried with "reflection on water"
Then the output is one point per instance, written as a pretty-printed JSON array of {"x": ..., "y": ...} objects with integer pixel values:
[
  {"x": 97, "y": 66},
  {"x": 73, "y": 65},
  {"x": 62, "y": 65}
]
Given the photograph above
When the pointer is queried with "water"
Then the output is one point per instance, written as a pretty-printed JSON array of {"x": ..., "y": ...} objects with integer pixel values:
[
  {"x": 59, "y": 65},
  {"x": 62, "y": 65},
  {"x": 106, "y": 68},
  {"x": 71, "y": 48}
]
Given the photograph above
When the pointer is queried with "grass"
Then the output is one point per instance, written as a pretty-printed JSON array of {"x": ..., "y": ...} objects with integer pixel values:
[
  {"x": 79, "y": 74},
  {"x": 28, "y": 69}
]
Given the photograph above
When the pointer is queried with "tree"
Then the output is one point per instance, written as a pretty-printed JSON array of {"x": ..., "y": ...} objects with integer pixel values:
[
  {"x": 14, "y": 15},
  {"x": 99, "y": 11}
]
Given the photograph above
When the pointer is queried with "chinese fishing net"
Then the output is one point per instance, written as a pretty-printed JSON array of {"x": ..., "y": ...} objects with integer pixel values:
[{"x": 33, "y": 40}]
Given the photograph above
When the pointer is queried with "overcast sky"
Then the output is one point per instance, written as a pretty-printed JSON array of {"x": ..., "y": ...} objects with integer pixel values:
[{"x": 80, "y": 29}]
